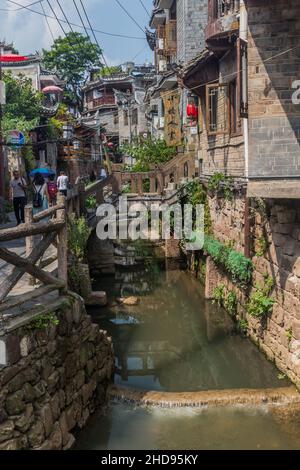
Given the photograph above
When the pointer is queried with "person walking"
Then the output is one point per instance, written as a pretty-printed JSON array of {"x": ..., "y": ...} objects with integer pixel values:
[
  {"x": 41, "y": 196},
  {"x": 63, "y": 183},
  {"x": 18, "y": 196},
  {"x": 52, "y": 190},
  {"x": 103, "y": 174}
]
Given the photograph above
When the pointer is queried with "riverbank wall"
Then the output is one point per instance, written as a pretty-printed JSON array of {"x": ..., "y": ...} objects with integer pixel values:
[
  {"x": 270, "y": 231},
  {"x": 56, "y": 369}
]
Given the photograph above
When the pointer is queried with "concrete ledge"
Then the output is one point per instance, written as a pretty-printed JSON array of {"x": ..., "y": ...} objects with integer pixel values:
[
  {"x": 274, "y": 189},
  {"x": 235, "y": 397}
]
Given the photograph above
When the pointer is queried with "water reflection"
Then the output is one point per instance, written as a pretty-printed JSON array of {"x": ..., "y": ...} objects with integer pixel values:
[{"x": 174, "y": 340}]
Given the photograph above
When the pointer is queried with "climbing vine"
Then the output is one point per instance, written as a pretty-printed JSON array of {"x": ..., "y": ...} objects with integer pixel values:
[
  {"x": 194, "y": 193},
  {"x": 219, "y": 182}
]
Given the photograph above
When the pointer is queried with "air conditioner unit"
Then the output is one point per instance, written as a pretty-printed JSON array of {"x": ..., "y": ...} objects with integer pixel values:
[
  {"x": 161, "y": 44},
  {"x": 162, "y": 66}
]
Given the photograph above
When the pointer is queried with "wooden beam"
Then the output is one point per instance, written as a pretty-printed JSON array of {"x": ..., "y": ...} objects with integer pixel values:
[
  {"x": 47, "y": 213},
  {"x": 27, "y": 297},
  {"x": 62, "y": 246},
  {"x": 47, "y": 261},
  {"x": 28, "y": 267},
  {"x": 8, "y": 284},
  {"x": 26, "y": 230}
]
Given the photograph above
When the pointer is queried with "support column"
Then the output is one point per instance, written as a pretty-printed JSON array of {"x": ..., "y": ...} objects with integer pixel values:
[
  {"x": 62, "y": 245},
  {"x": 29, "y": 240}
]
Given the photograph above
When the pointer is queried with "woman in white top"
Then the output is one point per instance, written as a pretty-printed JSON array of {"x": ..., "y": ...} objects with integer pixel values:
[{"x": 40, "y": 195}]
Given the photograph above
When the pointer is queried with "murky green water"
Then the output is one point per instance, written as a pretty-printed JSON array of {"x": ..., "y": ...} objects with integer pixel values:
[
  {"x": 174, "y": 340},
  {"x": 126, "y": 428}
]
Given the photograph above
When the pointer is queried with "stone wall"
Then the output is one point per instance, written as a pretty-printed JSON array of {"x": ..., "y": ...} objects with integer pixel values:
[
  {"x": 274, "y": 121},
  {"x": 57, "y": 375},
  {"x": 222, "y": 152},
  {"x": 191, "y": 23},
  {"x": 275, "y": 251}
]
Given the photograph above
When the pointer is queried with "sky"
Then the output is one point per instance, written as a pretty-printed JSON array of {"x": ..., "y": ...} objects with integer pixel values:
[{"x": 30, "y": 33}]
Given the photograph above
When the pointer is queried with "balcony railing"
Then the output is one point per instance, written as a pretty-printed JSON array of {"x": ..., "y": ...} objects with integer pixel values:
[
  {"x": 103, "y": 101},
  {"x": 225, "y": 7}
]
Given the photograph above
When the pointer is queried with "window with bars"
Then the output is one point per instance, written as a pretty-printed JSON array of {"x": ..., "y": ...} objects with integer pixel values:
[{"x": 217, "y": 112}]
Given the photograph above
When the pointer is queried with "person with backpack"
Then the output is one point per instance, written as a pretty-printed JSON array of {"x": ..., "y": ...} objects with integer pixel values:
[
  {"x": 40, "y": 200},
  {"x": 52, "y": 190}
]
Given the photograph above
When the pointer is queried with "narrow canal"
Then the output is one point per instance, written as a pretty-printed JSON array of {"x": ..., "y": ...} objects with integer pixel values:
[{"x": 173, "y": 340}]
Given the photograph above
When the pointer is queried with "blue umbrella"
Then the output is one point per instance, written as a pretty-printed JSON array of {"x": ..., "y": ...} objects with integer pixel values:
[{"x": 42, "y": 171}]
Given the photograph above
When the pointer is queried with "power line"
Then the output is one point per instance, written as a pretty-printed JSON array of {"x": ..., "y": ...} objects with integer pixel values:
[
  {"x": 143, "y": 5},
  {"x": 79, "y": 14},
  {"x": 131, "y": 17},
  {"x": 59, "y": 22},
  {"x": 88, "y": 20},
  {"x": 77, "y": 25},
  {"x": 47, "y": 21},
  {"x": 22, "y": 7}
]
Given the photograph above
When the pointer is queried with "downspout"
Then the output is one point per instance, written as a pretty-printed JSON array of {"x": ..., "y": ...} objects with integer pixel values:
[
  {"x": 244, "y": 36},
  {"x": 247, "y": 229}
]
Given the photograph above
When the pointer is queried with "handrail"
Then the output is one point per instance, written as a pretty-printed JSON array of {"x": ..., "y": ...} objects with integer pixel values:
[{"x": 51, "y": 230}]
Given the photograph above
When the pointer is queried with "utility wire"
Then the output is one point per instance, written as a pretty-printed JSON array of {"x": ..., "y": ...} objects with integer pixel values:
[
  {"x": 94, "y": 35},
  {"x": 131, "y": 17},
  {"x": 146, "y": 10},
  {"x": 47, "y": 21},
  {"x": 55, "y": 15},
  {"x": 82, "y": 22},
  {"x": 22, "y": 7},
  {"x": 77, "y": 25}
]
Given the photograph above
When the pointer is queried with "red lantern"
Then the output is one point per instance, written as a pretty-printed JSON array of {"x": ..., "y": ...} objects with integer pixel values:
[{"x": 192, "y": 111}]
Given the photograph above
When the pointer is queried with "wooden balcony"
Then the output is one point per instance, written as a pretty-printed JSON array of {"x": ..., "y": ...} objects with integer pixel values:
[
  {"x": 171, "y": 37},
  {"x": 107, "y": 100},
  {"x": 222, "y": 21}
]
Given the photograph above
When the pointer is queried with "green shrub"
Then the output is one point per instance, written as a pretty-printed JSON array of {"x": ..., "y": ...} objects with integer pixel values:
[
  {"x": 43, "y": 321},
  {"x": 236, "y": 264},
  {"x": 261, "y": 304},
  {"x": 78, "y": 235},
  {"x": 243, "y": 326},
  {"x": 219, "y": 295},
  {"x": 91, "y": 202},
  {"x": 239, "y": 266},
  {"x": 218, "y": 181},
  {"x": 230, "y": 303}
]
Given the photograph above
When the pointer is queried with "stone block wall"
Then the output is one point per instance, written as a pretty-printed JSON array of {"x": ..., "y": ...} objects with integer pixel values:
[
  {"x": 191, "y": 23},
  {"x": 274, "y": 121},
  {"x": 55, "y": 379},
  {"x": 275, "y": 236},
  {"x": 223, "y": 152}
]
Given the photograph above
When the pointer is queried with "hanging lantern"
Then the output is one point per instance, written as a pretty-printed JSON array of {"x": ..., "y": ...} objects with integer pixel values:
[{"x": 192, "y": 111}]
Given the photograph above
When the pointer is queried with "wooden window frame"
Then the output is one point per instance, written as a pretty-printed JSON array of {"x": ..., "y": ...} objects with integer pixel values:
[{"x": 227, "y": 129}]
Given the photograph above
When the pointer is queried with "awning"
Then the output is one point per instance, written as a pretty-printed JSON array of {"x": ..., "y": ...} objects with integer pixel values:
[{"x": 204, "y": 68}]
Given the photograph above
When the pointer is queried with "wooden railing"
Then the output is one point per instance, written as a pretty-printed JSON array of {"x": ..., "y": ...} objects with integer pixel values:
[{"x": 51, "y": 227}]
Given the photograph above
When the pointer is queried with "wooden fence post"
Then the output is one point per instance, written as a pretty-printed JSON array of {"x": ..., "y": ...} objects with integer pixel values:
[
  {"x": 62, "y": 245},
  {"x": 29, "y": 240}
]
